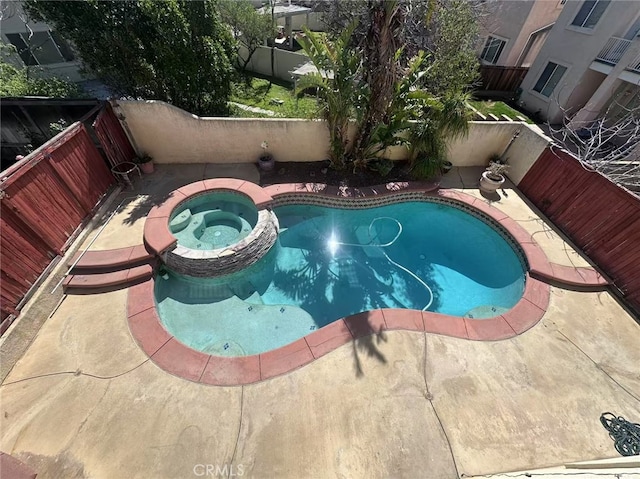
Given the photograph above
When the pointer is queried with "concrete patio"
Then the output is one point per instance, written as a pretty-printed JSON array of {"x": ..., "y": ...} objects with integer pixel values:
[{"x": 85, "y": 401}]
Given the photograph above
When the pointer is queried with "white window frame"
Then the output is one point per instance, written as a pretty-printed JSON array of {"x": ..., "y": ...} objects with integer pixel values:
[
  {"x": 539, "y": 93},
  {"x": 582, "y": 28},
  {"x": 500, "y": 49}
]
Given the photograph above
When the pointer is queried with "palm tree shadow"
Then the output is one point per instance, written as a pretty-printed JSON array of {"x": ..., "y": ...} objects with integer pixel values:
[
  {"x": 369, "y": 345},
  {"x": 141, "y": 208},
  {"x": 351, "y": 282}
]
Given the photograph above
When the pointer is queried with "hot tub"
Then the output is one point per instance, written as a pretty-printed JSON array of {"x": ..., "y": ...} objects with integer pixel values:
[{"x": 219, "y": 232}]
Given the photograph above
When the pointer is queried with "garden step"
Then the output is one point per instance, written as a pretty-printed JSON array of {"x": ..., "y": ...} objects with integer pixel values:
[
  {"x": 110, "y": 260},
  {"x": 97, "y": 281}
]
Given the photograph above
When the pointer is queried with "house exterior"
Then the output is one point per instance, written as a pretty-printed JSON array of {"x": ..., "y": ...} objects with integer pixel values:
[
  {"x": 590, "y": 63},
  {"x": 512, "y": 32},
  {"x": 37, "y": 45}
]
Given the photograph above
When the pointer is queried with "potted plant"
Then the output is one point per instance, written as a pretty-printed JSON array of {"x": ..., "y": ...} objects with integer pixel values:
[
  {"x": 145, "y": 162},
  {"x": 493, "y": 177},
  {"x": 446, "y": 166},
  {"x": 266, "y": 161}
]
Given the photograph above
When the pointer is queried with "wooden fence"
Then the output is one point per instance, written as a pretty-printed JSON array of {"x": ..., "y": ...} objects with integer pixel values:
[
  {"x": 600, "y": 217},
  {"x": 112, "y": 137},
  {"x": 500, "y": 81},
  {"x": 43, "y": 201}
]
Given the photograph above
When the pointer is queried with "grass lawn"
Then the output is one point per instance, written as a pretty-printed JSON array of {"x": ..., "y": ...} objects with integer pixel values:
[
  {"x": 497, "y": 108},
  {"x": 277, "y": 97}
]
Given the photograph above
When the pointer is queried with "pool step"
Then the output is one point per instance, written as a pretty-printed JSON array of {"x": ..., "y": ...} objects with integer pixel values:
[
  {"x": 118, "y": 268},
  {"x": 96, "y": 282},
  {"x": 104, "y": 261}
]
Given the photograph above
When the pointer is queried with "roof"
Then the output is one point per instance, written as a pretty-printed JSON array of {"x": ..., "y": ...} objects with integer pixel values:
[{"x": 280, "y": 11}]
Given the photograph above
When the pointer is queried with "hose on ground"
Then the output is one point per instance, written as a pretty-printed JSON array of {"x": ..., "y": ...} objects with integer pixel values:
[{"x": 625, "y": 434}]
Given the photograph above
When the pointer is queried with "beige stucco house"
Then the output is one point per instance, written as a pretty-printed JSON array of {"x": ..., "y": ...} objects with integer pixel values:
[
  {"x": 590, "y": 63},
  {"x": 37, "y": 45},
  {"x": 513, "y": 31}
]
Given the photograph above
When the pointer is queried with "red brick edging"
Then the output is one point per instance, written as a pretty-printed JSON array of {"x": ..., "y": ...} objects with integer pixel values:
[{"x": 178, "y": 359}]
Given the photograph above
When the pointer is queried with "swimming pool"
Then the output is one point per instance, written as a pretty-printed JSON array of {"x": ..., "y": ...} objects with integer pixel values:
[{"x": 329, "y": 263}]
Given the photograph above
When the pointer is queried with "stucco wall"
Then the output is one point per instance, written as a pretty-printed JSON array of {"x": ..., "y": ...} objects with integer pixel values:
[
  {"x": 484, "y": 139},
  {"x": 542, "y": 13},
  {"x": 171, "y": 135},
  {"x": 524, "y": 151},
  {"x": 487, "y": 138},
  {"x": 505, "y": 19},
  {"x": 514, "y": 20}
]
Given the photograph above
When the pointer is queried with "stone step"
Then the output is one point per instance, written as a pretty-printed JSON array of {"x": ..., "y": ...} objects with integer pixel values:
[
  {"x": 93, "y": 261},
  {"x": 113, "y": 279}
]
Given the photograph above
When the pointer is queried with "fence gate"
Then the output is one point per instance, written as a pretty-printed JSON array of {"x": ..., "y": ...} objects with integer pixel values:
[{"x": 112, "y": 136}]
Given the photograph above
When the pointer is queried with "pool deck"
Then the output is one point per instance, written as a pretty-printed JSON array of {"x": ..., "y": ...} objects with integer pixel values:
[{"x": 86, "y": 401}]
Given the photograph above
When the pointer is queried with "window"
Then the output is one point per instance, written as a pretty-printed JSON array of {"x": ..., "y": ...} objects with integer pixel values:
[
  {"x": 590, "y": 13},
  {"x": 43, "y": 48},
  {"x": 492, "y": 49},
  {"x": 22, "y": 48},
  {"x": 549, "y": 79}
]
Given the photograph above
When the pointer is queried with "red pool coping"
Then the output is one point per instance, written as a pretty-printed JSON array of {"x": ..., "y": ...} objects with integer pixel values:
[
  {"x": 178, "y": 359},
  {"x": 158, "y": 237},
  {"x": 13, "y": 468}
]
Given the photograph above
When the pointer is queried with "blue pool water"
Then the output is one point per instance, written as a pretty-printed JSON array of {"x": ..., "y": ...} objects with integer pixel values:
[
  {"x": 326, "y": 266},
  {"x": 213, "y": 221}
]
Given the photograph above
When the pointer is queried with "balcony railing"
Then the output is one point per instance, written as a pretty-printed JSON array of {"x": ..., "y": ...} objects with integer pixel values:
[
  {"x": 613, "y": 50},
  {"x": 634, "y": 66}
]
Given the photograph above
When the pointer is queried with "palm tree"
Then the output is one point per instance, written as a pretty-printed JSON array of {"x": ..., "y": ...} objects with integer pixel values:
[
  {"x": 337, "y": 84},
  {"x": 381, "y": 72},
  {"x": 442, "y": 120}
]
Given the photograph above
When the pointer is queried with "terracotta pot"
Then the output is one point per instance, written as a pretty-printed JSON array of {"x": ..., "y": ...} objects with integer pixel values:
[
  {"x": 147, "y": 167},
  {"x": 490, "y": 184}
]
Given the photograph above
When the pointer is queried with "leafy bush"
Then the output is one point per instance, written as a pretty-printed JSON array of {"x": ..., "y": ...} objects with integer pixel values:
[{"x": 15, "y": 82}]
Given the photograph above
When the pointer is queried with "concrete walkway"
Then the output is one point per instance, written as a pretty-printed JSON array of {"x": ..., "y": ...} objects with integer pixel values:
[
  {"x": 85, "y": 401},
  {"x": 253, "y": 109}
]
